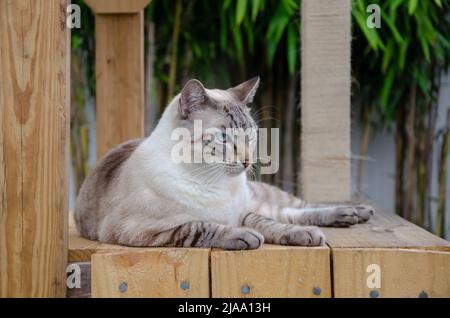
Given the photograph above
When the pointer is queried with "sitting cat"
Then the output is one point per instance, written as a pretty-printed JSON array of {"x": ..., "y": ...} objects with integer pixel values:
[{"x": 138, "y": 196}]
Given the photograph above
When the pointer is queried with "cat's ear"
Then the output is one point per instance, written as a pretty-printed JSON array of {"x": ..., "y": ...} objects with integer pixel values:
[
  {"x": 193, "y": 97},
  {"x": 247, "y": 90}
]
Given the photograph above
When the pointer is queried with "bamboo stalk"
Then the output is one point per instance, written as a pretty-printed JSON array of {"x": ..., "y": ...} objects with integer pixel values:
[
  {"x": 440, "y": 224},
  {"x": 410, "y": 150},
  {"x": 399, "y": 159},
  {"x": 420, "y": 171},
  {"x": 150, "y": 103}
]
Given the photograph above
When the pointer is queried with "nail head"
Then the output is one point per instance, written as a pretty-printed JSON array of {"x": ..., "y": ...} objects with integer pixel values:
[
  {"x": 374, "y": 294},
  {"x": 317, "y": 291},
  {"x": 123, "y": 287},
  {"x": 423, "y": 294},
  {"x": 184, "y": 285},
  {"x": 245, "y": 289}
]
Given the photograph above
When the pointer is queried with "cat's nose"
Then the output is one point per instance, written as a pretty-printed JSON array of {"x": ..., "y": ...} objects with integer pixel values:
[{"x": 246, "y": 163}]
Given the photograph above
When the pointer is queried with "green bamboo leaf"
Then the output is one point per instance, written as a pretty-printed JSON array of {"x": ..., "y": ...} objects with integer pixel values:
[
  {"x": 370, "y": 34},
  {"x": 237, "y": 37},
  {"x": 292, "y": 53},
  {"x": 438, "y": 2},
  {"x": 256, "y": 4},
  {"x": 412, "y": 6},
  {"x": 223, "y": 32},
  {"x": 241, "y": 8},
  {"x": 422, "y": 81},
  {"x": 390, "y": 23},
  {"x": 402, "y": 54},
  {"x": 250, "y": 35},
  {"x": 387, "y": 56},
  {"x": 425, "y": 49},
  {"x": 226, "y": 4}
]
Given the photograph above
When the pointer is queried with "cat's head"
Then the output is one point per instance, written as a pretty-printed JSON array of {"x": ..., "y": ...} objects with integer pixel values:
[{"x": 228, "y": 137}]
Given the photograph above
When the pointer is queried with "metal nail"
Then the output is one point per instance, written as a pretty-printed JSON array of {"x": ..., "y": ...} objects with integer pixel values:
[
  {"x": 245, "y": 289},
  {"x": 184, "y": 285},
  {"x": 123, "y": 287},
  {"x": 423, "y": 294},
  {"x": 317, "y": 291}
]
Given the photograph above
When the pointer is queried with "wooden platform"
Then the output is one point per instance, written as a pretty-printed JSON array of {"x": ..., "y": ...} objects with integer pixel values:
[{"x": 387, "y": 257}]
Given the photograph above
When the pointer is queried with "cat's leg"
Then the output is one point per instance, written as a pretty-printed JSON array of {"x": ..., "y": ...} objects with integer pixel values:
[
  {"x": 177, "y": 231},
  {"x": 272, "y": 202},
  {"x": 284, "y": 234},
  {"x": 327, "y": 215}
]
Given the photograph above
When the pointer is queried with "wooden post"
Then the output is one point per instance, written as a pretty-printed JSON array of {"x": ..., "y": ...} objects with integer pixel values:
[
  {"x": 325, "y": 158},
  {"x": 34, "y": 131},
  {"x": 119, "y": 69}
]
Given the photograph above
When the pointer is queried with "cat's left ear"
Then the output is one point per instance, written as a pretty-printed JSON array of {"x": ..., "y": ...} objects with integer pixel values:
[{"x": 247, "y": 90}]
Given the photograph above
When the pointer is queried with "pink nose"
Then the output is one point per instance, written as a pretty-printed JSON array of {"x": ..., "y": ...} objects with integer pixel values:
[{"x": 246, "y": 163}]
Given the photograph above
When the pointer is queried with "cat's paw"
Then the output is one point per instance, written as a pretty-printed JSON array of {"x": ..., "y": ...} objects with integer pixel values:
[
  {"x": 345, "y": 216},
  {"x": 303, "y": 236},
  {"x": 243, "y": 239},
  {"x": 365, "y": 212}
]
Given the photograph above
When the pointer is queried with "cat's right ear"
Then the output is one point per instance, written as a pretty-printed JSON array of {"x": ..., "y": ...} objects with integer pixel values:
[{"x": 193, "y": 97}]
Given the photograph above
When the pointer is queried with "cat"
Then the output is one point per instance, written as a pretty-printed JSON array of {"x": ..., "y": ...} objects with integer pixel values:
[{"x": 138, "y": 196}]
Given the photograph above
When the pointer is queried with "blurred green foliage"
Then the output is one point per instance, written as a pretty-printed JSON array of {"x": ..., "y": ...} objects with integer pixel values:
[{"x": 411, "y": 48}]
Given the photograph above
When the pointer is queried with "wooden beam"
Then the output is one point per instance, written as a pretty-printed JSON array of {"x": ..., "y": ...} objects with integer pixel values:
[
  {"x": 34, "y": 130},
  {"x": 119, "y": 69},
  {"x": 271, "y": 271},
  {"x": 117, "y": 6},
  {"x": 325, "y": 137},
  {"x": 411, "y": 262},
  {"x": 159, "y": 272},
  {"x": 403, "y": 273}
]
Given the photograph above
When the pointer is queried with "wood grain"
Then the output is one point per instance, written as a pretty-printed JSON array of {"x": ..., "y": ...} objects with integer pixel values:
[
  {"x": 325, "y": 138},
  {"x": 404, "y": 272},
  {"x": 160, "y": 272},
  {"x": 271, "y": 271},
  {"x": 119, "y": 79},
  {"x": 385, "y": 230},
  {"x": 117, "y": 6},
  {"x": 34, "y": 125}
]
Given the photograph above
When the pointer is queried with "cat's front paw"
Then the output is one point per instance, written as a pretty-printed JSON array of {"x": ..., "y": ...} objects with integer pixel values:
[
  {"x": 345, "y": 216},
  {"x": 243, "y": 239},
  {"x": 365, "y": 212},
  {"x": 303, "y": 236}
]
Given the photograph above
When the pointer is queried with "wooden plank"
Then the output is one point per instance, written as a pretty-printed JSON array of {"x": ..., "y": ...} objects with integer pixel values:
[
  {"x": 119, "y": 79},
  {"x": 410, "y": 260},
  {"x": 117, "y": 6},
  {"x": 160, "y": 272},
  {"x": 325, "y": 139},
  {"x": 34, "y": 126},
  {"x": 271, "y": 271},
  {"x": 384, "y": 230},
  {"x": 403, "y": 272}
]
